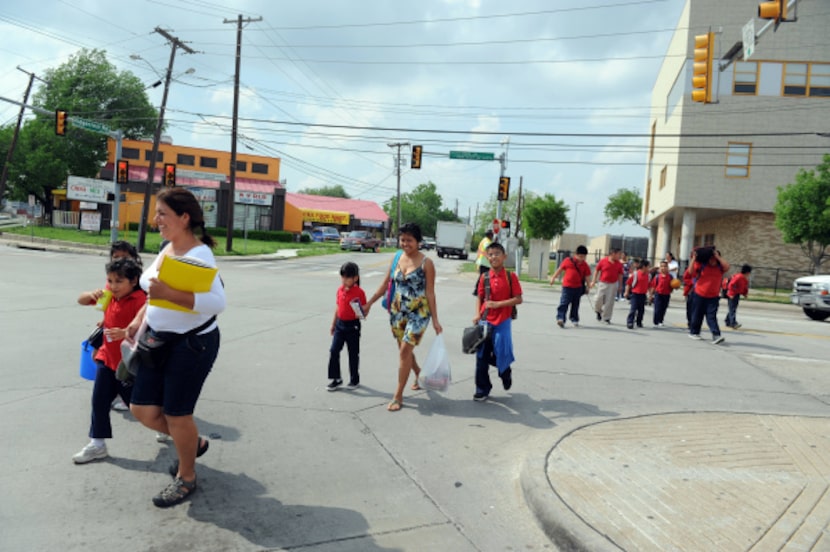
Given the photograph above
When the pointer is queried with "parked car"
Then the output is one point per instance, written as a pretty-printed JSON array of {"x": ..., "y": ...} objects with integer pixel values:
[
  {"x": 325, "y": 233},
  {"x": 427, "y": 243},
  {"x": 812, "y": 294},
  {"x": 360, "y": 240}
]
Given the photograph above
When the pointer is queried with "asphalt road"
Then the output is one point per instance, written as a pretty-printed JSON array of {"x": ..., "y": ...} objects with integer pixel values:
[{"x": 293, "y": 467}]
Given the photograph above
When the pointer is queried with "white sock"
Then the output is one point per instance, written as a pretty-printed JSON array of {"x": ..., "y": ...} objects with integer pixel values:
[{"x": 97, "y": 443}]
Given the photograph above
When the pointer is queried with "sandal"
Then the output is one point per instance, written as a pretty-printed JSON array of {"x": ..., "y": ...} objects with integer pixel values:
[
  {"x": 174, "y": 493},
  {"x": 394, "y": 406},
  {"x": 201, "y": 448},
  {"x": 416, "y": 387}
]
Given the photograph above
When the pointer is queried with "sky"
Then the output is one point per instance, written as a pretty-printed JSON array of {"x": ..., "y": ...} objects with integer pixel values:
[{"x": 327, "y": 85}]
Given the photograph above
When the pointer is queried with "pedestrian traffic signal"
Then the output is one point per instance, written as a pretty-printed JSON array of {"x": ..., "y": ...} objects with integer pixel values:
[
  {"x": 60, "y": 122},
  {"x": 416, "y": 157},
  {"x": 122, "y": 174},
  {"x": 504, "y": 188},
  {"x": 776, "y": 10},
  {"x": 702, "y": 70},
  {"x": 505, "y": 225},
  {"x": 496, "y": 226},
  {"x": 169, "y": 175}
]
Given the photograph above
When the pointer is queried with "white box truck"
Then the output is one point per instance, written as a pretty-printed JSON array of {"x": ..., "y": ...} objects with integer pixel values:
[{"x": 453, "y": 238}]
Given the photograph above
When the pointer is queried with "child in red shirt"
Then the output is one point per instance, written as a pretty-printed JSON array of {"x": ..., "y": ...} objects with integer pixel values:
[
  {"x": 707, "y": 270},
  {"x": 127, "y": 299},
  {"x": 636, "y": 289},
  {"x": 738, "y": 285},
  {"x": 345, "y": 327},
  {"x": 661, "y": 291},
  {"x": 574, "y": 285}
]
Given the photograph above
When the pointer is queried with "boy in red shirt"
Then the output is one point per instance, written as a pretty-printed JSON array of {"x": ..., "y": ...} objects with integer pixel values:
[
  {"x": 496, "y": 304},
  {"x": 661, "y": 290},
  {"x": 345, "y": 327},
  {"x": 707, "y": 272},
  {"x": 574, "y": 285},
  {"x": 738, "y": 285},
  {"x": 609, "y": 271},
  {"x": 636, "y": 289}
]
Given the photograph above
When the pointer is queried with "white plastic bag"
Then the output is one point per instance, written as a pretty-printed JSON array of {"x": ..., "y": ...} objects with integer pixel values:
[{"x": 435, "y": 373}]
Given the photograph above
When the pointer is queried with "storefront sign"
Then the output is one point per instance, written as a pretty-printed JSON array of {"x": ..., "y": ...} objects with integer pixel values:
[
  {"x": 371, "y": 223},
  {"x": 253, "y": 198},
  {"x": 88, "y": 189},
  {"x": 330, "y": 217},
  {"x": 88, "y": 206},
  {"x": 91, "y": 220},
  {"x": 203, "y": 194}
]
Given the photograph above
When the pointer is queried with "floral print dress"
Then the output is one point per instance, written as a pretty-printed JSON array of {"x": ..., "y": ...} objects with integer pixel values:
[{"x": 409, "y": 314}]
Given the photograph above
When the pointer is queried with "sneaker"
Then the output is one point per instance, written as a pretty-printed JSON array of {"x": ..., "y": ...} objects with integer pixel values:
[
  {"x": 630, "y": 326},
  {"x": 90, "y": 453},
  {"x": 480, "y": 397},
  {"x": 334, "y": 385},
  {"x": 695, "y": 336},
  {"x": 661, "y": 325},
  {"x": 560, "y": 323},
  {"x": 718, "y": 340},
  {"x": 507, "y": 379},
  {"x": 119, "y": 405},
  {"x": 599, "y": 315},
  {"x": 353, "y": 385},
  {"x": 736, "y": 326},
  {"x": 162, "y": 437},
  {"x": 575, "y": 324},
  {"x": 607, "y": 322},
  {"x": 639, "y": 325}
]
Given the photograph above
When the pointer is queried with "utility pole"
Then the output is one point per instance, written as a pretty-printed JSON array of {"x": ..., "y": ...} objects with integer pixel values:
[
  {"x": 145, "y": 207},
  {"x": 519, "y": 208},
  {"x": 398, "y": 145},
  {"x": 232, "y": 184},
  {"x": 13, "y": 145}
]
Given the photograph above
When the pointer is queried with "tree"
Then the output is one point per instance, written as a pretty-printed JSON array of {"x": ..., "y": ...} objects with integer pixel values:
[
  {"x": 423, "y": 206},
  {"x": 329, "y": 191},
  {"x": 86, "y": 86},
  {"x": 545, "y": 217},
  {"x": 624, "y": 205},
  {"x": 802, "y": 212}
]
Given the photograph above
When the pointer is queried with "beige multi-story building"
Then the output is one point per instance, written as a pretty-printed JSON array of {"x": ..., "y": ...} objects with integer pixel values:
[{"x": 714, "y": 169}]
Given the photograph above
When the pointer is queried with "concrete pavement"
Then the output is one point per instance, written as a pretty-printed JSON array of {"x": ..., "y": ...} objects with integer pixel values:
[{"x": 610, "y": 440}]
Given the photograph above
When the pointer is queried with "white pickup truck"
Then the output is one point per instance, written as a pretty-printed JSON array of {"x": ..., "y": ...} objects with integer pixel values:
[{"x": 812, "y": 293}]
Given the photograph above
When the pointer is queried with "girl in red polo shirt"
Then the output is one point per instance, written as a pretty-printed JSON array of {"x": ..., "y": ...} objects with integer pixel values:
[
  {"x": 345, "y": 328},
  {"x": 661, "y": 288},
  {"x": 636, "y": 290},
  {"x": 707, "y": 272}
]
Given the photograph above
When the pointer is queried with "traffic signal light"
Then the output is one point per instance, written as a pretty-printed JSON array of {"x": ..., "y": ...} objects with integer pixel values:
[
  {"x": 776, "y": 10},
  {"x": 60, "y": 122},
  {"x": 504, "y": 188},
  {"x": 122, "y": 172},
  {"x": 505, "y": 225},
  {"x": 702, "y": 71},
  {"x": 496, "y": 226},
  {"x": 169, "y": 175},
  {"x": 416, "y": 157}
]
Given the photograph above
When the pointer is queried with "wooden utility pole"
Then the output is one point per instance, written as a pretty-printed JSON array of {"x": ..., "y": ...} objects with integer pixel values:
[
  {"x": 232, "y": 184},
  {"x": 13, "y": 145}
]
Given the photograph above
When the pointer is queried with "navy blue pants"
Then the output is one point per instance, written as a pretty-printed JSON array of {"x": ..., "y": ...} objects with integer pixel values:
[
  {"x": 637, "y": 310},
  {"x": 570, "y": 298},
  {"x": 704, "y": 307},
  {"x": 661, "y": 305},
  {"x": 731, "y": 316},
  {"x": 105, "y": 389},
  {"x": 346, "y": 332}
]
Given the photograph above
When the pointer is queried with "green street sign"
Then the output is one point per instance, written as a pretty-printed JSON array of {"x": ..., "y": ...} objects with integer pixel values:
[
  {"x": 93, "y": 126},
  {"x": 474, "y": 155}
]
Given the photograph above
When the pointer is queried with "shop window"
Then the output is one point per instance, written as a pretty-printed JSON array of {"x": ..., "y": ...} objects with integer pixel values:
[
  {"x": 148, "y": 154},
  {"x": 183, "y": 159},
  {"x": 259, "y": 168},
  {"x": 208, "y": 162},
  {"x": 130, "y": 153},
  {"x": 242, "y": 166}
]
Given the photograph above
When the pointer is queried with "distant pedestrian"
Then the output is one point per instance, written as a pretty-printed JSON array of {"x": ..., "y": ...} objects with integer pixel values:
[
  {"x": 499, "y": 291},
  {"x": 688, "y": 284},
  {"x": 707, "y": 273},
  {"x": 674, "y": 266},
  {"x": 345, "y": 327},
  {"x": 636, "y": 290},
  {"x": 738, "y": 285},
  {"x": 661, "y": 292},
  {"x": 626, "y": 272},
  {"x": 609, "y": 271},
  {"x": 482, "y": 262},
  {"x": 574, "y": 285}
]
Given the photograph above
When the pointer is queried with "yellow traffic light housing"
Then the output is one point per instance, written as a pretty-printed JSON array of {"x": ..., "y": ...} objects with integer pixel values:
[
  {"x": 60, "y": 122},
  {"x": 776, "y": 10},
  {"x": 702, "y": 69},
  {"x": 169, "y": 175},
  {"x": 504, "y": 188},
  {"x": 416, "y": 157},
  {"x": 122, "y": 174}
]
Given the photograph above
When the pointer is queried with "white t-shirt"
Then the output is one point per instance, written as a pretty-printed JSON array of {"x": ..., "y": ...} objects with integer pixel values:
[{"x": 206, "y": 304}]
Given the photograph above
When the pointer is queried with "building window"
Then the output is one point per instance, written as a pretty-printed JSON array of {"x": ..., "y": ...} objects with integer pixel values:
[
  {"x": 663, "y": 174},
  {"x": 746, "y": 78},
  {"x": 208, "y": 162},
  {"x": 259, "y": 168},
  {"x": 820, "y": 79},
  {"x": 795, "y": 79},
  {"x": 737, "y": 159},
  {"x": 148, "y": 154},
  {"x": 242, "y": 166},
  {"x": 130, "y": 153},
  {"x": 708, "y": 239},
  {"x": 183, "y": 159}
]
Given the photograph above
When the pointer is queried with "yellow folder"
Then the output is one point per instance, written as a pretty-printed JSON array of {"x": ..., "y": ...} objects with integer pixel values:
[{"x": 184, "y": 274}]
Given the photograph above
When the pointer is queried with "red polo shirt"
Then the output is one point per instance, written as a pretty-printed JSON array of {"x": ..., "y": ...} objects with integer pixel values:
[
  {"x": 575, "y": 273},
  {"x": 709, "y": 279},
  {"x": 609, "y": 270}
]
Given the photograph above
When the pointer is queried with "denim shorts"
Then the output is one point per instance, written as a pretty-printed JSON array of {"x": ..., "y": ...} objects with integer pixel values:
[{"x": 176, "y": 385}]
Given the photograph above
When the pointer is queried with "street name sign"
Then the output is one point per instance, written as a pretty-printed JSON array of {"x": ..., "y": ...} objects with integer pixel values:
[
  {"x": 749, "y": 38},
  {"x": 474, "y": 155},
  {"x": 93, "y": 126}
]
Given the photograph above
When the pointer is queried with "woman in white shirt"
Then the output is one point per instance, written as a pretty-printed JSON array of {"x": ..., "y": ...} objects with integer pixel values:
[{"x": 165, "y": 394}]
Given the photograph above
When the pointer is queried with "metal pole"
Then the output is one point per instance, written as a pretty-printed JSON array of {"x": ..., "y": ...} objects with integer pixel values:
[
  {"x": 398, "y": 145},
  {"x": 116, "y": 201}
]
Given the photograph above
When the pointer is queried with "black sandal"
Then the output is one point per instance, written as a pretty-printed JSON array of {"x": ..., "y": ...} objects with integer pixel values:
[
  {"x": 174, "y": 493},
  {"x": 201, "y": 448}
]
